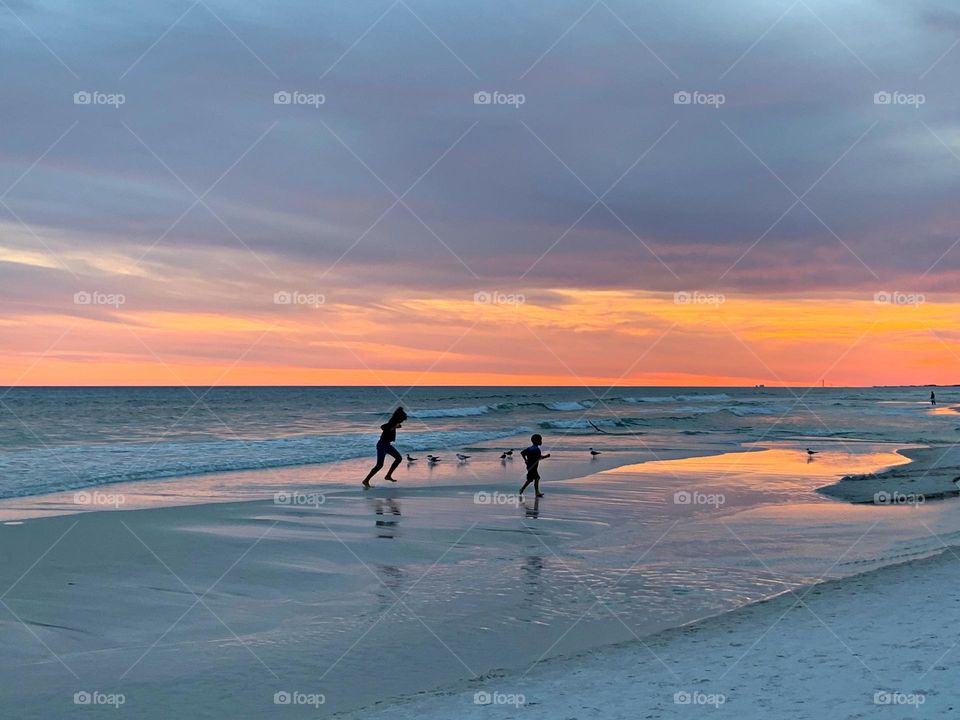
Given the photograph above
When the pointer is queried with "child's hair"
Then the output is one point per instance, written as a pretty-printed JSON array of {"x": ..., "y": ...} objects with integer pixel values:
[
  {"x": 536, "y": 439},
  {"x": 399, "y": 415}
]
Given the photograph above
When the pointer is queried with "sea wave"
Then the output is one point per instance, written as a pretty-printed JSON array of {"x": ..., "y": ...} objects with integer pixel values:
[
  {"x": 454, "y": 412},
  {"x": 46, "y": 470},
  {"x": 715, "y": 397},
  {"x": 476, "y": 410},
  {"x": 569, "y": 406},
  {"x": 745, "y": 410},
  {"x": 589, "y": 423}
]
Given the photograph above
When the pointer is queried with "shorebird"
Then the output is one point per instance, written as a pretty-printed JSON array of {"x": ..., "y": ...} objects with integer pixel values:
[
  {"x": 410, "y": 458},
  {"x": 594, "y": 452},
  {"x": 462, "y": 458},
  {"x": 509, "y": 452},
  {"x": 433, "y": 459},
  {"x": 812, "y": 452},
  {"x": 503, "y": 456}
]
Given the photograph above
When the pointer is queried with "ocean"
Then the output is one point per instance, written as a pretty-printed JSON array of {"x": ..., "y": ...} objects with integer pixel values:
[{"x": 56, "y": 439}]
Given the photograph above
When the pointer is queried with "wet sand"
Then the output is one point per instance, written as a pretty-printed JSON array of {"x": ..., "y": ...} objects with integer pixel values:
[
  {"x": 210, "y": 610},
  {"x": 931, "y": 475}
]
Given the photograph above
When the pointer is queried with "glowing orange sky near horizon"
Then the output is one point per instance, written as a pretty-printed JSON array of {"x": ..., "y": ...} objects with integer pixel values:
[{"x": 573, "y": 337}]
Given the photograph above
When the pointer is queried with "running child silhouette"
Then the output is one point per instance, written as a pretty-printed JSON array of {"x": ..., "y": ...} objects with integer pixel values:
[
  {"x": 532, "y": 456},
  {"x": 385, "y": 446}
]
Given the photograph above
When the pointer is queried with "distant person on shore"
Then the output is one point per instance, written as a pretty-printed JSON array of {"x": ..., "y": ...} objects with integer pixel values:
[
  {"x": 933, "y": 398},
  {"x": 385, "y": 446},
  {"x": 532, "y": 457}
]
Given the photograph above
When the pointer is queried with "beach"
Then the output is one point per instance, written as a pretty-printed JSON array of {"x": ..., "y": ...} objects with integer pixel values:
[{"x": 648, "y": 578}]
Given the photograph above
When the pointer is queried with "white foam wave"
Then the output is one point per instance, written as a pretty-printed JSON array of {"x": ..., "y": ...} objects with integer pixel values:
[
  {"x": 715, "y": 397},
  {"x": 570, "y": 406},
  {"x": 453, "y": 412},
  {"x": 579, "y": 424}
]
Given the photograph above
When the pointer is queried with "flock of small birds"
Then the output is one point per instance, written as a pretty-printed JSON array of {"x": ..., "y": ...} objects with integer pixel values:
[
  {"x": 508, "y": 455},
  {"x": 505, "y": 455},
  {"x": 432, "y": 460}
]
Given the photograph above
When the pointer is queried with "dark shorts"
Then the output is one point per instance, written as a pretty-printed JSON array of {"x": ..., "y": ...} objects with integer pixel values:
[
  {"x": 383, "y": 449},
  {"x": 533, "y": 474}
]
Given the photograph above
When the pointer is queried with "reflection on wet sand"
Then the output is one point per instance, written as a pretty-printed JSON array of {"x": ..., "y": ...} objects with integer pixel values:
[
  {"x": 387, "y": 529},
  {"x": 780, "y": 467}
]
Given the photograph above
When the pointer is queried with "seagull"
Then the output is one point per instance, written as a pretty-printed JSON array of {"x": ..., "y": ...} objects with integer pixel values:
[
  {"x": 462, "y": 458},
  {"x": 509, "y": 452},
  {"x": 812, "y": 452},
  {"x": 503, "y": 457},
  {"x": 410, "y": 458},
  {"x": 433, "y": 459},
  {"x": 594, "y": 452}
]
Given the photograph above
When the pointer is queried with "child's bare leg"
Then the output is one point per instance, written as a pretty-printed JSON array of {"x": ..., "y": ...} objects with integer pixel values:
[
  {"x": 389, "y": 475},
  {"x": 373, "y": 471}
]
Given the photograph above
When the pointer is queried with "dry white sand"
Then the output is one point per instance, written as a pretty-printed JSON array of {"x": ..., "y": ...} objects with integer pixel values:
[{"x": 883, "y": 644}]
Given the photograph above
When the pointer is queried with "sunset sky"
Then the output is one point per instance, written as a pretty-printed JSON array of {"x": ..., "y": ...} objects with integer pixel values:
[{"x": 184, "y": 227}]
